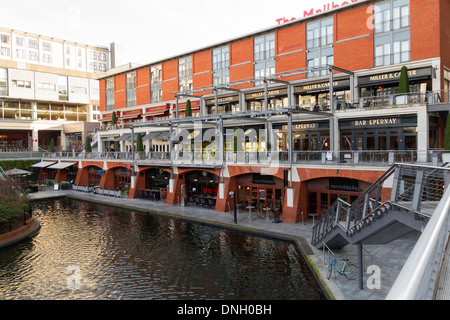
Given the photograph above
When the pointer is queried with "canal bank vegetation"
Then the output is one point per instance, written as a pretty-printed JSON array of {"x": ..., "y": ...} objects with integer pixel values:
[{"x": 14, "y": 211}]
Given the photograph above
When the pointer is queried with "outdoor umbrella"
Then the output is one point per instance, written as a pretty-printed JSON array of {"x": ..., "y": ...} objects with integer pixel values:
[{"x": 17, "y": 172}]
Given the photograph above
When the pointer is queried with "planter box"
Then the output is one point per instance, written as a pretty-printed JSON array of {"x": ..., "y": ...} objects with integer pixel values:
[
  {"x": 401, "y": 100},
  {"x": 445, "y": 157}
]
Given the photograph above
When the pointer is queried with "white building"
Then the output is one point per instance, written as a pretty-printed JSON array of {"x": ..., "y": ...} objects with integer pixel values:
[{"x": 48, "y": 90}]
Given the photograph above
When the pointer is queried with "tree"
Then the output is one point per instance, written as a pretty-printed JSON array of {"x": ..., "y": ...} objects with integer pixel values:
[
  {"x": 139, "y": 144},
  {"x": 447, "y": 134},
  {"x": 113, "y": 118},
  {"x": 188, "y": 112},
  {"x": 52, "y": 146},
  {"x": 403, "y": 86},
  {"x": 87, "y": 146},
  {"x": 12, "y": 206}
]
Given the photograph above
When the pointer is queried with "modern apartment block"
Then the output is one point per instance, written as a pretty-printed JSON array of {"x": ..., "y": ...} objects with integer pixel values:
[
  {"x": 48, "y": 90},
  {"x": 321, "y": 92}
]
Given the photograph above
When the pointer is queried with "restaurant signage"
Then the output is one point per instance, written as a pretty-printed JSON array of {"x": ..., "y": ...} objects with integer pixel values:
[
  {"x": 323, "y": 86},
  {"x": 342, "y": 184},
  {"x": 223, "y": 100},
  {"x": 262, "y": 179},
  {"x": 389, "y": 77},
  {"x": 382, "y": 122},
  {"x": 270, "y": 93}
]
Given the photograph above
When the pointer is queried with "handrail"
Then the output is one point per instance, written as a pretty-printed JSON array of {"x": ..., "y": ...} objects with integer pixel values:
[
  {"x": 361, "y": 208},
  {"x": 415, "y": 281}
]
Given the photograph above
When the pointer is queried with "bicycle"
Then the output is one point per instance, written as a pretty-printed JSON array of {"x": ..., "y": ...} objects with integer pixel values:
[{"x": 349, "y": 270}]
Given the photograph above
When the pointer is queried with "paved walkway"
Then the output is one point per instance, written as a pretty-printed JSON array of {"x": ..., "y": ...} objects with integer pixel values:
[{"x": 389, "y": 258}]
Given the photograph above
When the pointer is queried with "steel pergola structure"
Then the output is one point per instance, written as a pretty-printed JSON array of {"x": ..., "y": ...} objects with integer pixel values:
[{"x": 265, "y": 116}]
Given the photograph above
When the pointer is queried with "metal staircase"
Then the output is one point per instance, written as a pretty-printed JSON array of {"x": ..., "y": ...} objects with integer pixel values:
[{"x": 401, "y": 200}]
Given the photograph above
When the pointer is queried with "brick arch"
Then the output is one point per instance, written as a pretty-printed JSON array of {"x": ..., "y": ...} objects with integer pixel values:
[
  {"x": 235, "y": 172},
  {"x": 83, "y": 174},
  {"x": 369, "y": 176}
]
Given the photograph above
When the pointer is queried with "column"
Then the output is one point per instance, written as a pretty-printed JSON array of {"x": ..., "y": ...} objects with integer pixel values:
[
  {"x": 35, "y": 138},
  {"x": 422, "y": 134}
]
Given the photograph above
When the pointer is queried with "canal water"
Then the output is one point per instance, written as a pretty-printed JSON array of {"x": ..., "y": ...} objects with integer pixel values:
[{"x": 90, "y": 251}]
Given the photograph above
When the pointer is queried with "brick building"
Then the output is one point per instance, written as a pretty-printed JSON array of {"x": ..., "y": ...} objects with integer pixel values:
[{"x": 326, "y": 85}]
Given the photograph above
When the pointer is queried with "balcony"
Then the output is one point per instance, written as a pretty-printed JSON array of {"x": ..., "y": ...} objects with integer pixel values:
[{"x": 380, "y": 158}]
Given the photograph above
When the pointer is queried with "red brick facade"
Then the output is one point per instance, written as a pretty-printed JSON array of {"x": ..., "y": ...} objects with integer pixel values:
[{"x": 353, "y": 50}]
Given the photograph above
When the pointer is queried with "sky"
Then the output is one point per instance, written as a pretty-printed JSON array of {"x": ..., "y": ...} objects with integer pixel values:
[{"x": 146, "y": 31}]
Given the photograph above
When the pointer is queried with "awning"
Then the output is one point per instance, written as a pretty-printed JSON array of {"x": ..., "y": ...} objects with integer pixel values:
[
  {"x": 151, "y": 135},
  {"x": 43, "y": 164},
  {"x": 131, "y": 116},
  {"x": 154, "y": 113},
  {"x": 62, "y": 165},
  {"x": 124, "y": 137},
  {"x": 164, "y": 134}
]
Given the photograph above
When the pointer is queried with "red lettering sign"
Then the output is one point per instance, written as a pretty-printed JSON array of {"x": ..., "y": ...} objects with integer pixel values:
[{"x": 326, "y": 7}]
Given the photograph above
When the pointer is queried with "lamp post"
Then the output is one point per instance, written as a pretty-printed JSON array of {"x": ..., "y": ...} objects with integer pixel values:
[{"x": 232, "y": 195}]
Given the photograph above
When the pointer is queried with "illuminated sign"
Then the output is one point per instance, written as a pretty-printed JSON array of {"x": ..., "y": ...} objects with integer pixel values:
[{"x": 326, "y": 7}]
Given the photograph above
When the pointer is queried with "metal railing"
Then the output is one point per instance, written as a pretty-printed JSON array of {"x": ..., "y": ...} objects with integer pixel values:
[
  {"x": 381, "y": 158},
  {"x": 415, "y": 189},
  {"x": 418, "y": 277}
]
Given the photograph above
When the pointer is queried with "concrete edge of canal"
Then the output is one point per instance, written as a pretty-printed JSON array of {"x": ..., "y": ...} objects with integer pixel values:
[
  {"x": 330, "y": 289},
  {"x": 23, "y": 233}
]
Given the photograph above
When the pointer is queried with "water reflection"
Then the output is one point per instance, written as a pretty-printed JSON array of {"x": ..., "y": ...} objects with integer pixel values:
[{"x": 128, "y": 255}]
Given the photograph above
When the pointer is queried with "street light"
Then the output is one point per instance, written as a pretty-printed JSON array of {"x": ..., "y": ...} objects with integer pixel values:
[{"x": 234, "y": 205}]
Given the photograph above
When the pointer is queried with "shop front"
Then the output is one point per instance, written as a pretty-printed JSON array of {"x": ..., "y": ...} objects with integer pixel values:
[
  {"x": 277, "y": 99},
  {"x": 15, "y": 140},
  {"x": 392, "y": 132},
  {"x": 378, "y": 89},
  {"x": 258, "y": 192},
  {"x": 201, "y": 188},
  {"x": 316, "y": 96},
  {"x": 200, "y": 182},
  {"x": 122, "y": 178},
  {"x": 322, "y": 193},
  {"x": 308, "y": 137},
  {"x": 156, "y": 184},
  {"x": 225, "y": 105}
]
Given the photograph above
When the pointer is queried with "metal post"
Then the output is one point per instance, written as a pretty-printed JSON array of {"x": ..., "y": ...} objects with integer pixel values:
[
  {"x": 133, "y": 150},
  {"x": 290, "y": 145},
  {"x": 332, "y": 144},
  {"x": 266, "y": 98},
  {"x": 234, "y": 205},
  {"x": 360, "y": 266},
  {"x": 171, "y": 150},
  {"x": 216, "y": 103},
  {"x": 176, "y": 108}
]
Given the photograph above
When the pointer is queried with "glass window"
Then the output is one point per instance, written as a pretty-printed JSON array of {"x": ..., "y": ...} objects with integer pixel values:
[
  {"x": 46, "y": 46},
  {"x": 131, "y": 89},
  {"x": 62, "y": 88},
  {"x": 156, "y": 84},
  {"x": 32, "y": 44},
  {"x": 185, "y": 74},
  {"x": 319, "y": 39},
  {"x": 4, "y": 38},
  {"x": 221, "y": 63},
  {"x": 392, "y": 39},
  {"x": 264, "y": 49},
  {"x": 110, "y": 94},
  {"x": 3, "y": 82}
]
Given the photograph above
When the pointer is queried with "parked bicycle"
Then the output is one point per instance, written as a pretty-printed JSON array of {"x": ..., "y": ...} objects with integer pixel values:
[{"x": 344, "y": 267}]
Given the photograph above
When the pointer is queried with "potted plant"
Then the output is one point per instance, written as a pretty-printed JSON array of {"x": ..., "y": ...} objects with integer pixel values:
[
  {"x": 52, "y": 147},
  {"x": 139, "y": 147},
  {"x": 403, "y": 87},
  {"x": 188, "y": 111},
  {"x": 113, "y": 119}
]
